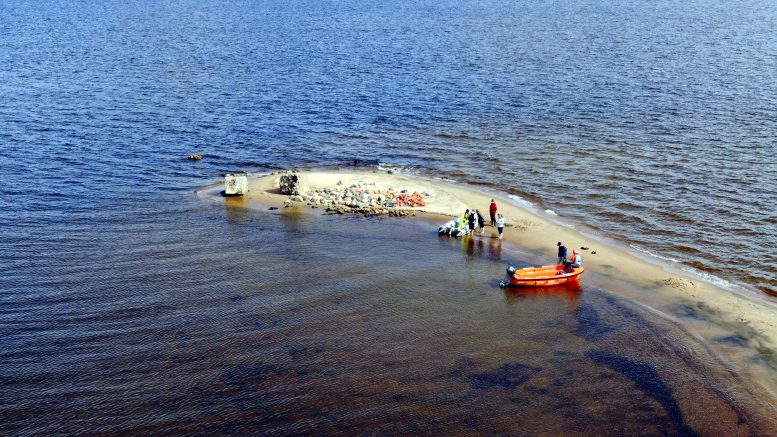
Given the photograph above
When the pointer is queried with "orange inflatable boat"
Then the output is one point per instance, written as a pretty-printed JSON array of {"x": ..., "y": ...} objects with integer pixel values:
[{"x": 540, "y": 276}]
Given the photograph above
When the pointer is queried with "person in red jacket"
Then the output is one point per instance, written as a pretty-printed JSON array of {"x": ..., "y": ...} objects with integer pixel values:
[{"x": 492, "y": 211}]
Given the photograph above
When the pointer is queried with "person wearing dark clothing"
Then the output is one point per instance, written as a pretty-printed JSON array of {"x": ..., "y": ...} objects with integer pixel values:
[
  {"x": 492, "y": 211},
  {"x": 562, "y": 253},
  {"x": 472, "y": 219},
  {"x": 481, "y": 221}
]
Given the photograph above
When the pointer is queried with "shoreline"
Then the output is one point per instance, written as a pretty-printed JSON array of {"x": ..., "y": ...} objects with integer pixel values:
[{"x": 702, "y": 308}]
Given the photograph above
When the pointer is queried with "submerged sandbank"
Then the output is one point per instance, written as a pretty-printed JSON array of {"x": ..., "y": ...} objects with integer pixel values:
[{"x": 737, "y": 327}]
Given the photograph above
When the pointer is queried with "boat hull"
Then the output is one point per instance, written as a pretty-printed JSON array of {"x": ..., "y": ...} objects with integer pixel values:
[{"x": 545, "y": 276}]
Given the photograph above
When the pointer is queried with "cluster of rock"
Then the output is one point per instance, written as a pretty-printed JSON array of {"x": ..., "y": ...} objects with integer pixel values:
[
  {"x": 359, "y": 198},
  {"x": 293, "y": 183}
]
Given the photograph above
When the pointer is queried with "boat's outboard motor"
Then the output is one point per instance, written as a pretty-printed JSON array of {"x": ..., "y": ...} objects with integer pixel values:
[{"x": 510, "y": 271}]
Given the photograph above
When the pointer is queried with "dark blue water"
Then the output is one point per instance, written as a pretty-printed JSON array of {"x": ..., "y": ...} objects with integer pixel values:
[{"x": 650, "y": 122}]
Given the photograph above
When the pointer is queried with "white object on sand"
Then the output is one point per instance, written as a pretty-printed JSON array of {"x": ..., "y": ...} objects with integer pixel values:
[{"x": 235, "y": 184}]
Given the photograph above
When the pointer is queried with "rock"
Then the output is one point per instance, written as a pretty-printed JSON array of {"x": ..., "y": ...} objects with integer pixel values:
[
  {"x": 403, "y": 191},
  {"x": 194, "y": 157},
  {"x": 593, "y": 252},
  {"x": 583, "y": 247},
  {"x": 293, "y": 183},
  {"x": 296, "y": 198},
  {"x": 273, "y": 208},
  {"x": 339, "y": 182}
]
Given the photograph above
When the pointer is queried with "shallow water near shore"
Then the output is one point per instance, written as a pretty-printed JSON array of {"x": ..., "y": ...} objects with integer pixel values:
[{"x": 236, "y": 320}]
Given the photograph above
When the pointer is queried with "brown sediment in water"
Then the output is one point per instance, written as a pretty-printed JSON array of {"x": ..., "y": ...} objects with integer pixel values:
[{"x": 701, "y": 309}]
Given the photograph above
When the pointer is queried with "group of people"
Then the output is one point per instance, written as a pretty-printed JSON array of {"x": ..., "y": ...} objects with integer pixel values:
[
  {"x": 470, "y": 220},
  {"x": 474, "y": 219},
  {"x": 575, "y": 261}
]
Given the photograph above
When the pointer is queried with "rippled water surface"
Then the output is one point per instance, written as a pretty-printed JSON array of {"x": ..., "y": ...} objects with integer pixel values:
[
  {"x": 237, "y": 321},
  {"x": 652, "y": 121},
  {"x": 129, "y": 305}
]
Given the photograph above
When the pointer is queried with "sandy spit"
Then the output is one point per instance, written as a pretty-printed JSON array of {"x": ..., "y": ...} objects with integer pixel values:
[{"x": 704, "y": 309}]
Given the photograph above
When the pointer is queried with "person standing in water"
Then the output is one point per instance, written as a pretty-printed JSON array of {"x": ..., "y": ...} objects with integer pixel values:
[
  {"x": 481, "y": 222},
  {"x": 472, "y": 219},
  {"x": 500, "y": 225},
  {"x": 562, "y": 254},
  {"x": 492, "y": 210}
]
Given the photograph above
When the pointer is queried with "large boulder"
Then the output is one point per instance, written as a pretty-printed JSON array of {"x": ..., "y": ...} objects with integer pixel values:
[{"x": 293, "y": 184}]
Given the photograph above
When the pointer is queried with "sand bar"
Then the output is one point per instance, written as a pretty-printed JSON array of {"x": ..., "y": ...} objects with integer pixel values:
[{"x": 703, "y": 309}]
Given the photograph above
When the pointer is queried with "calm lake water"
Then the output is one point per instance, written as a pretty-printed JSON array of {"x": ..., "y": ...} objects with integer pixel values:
[{"x": 130, "y": 305}]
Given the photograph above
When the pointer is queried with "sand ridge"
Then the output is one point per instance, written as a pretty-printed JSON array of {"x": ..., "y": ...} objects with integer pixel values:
[{"x": 687, "y": 299}]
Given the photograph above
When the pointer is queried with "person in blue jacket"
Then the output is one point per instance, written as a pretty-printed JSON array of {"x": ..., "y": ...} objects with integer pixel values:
[{"x": 562, "y": 254}]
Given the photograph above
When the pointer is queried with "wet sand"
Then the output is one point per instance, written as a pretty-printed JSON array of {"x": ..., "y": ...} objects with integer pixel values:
[{"x": 737, "y": 327}]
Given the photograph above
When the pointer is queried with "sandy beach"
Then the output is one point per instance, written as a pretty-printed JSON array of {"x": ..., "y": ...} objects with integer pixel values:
[{"x": 702, "y": 309}]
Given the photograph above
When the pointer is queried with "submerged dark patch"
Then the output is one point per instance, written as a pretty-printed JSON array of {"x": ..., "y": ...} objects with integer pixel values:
[
  {"x": 698, "y": 311},
  {"x": 508, "y": 377},
  {"x": 646, "y": 378},
  {"x": 767, "y": 356},
  {"x": 589, "y": 325},
  {"x": 247, "y": 373},
  {"x": 732, "y": 340}
]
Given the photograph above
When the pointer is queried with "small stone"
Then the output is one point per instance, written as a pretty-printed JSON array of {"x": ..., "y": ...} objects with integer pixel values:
[{"x": 273, "y": 208}]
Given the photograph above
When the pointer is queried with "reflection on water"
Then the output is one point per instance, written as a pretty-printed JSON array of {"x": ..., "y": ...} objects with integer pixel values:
[
  {"x": 229, "y": 320},
  {"x": 570, "y": 292}
]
